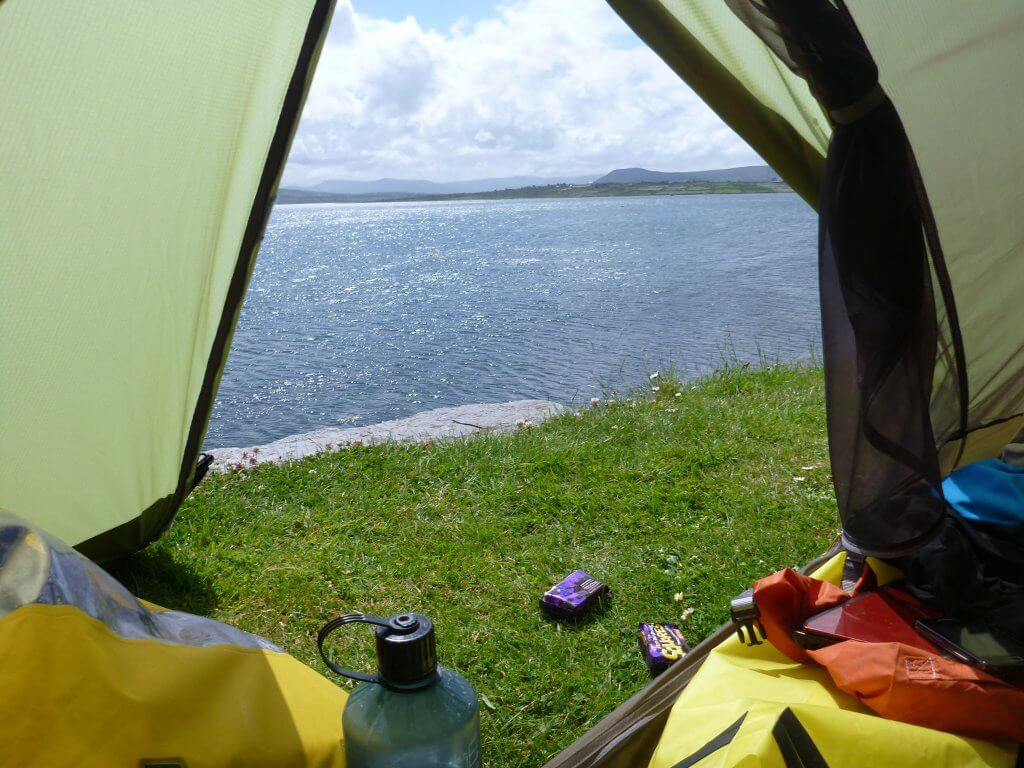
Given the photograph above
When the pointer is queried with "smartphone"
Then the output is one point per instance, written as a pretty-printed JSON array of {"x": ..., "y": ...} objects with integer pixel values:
[{"x": 975, "y": 644}]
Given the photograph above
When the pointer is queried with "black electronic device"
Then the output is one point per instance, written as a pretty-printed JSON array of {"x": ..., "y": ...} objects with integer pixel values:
[{"x": 977, "y": 645}]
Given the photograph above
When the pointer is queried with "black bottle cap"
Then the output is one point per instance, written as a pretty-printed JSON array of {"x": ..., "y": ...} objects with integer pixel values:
[{"x": 406, "y": 651}]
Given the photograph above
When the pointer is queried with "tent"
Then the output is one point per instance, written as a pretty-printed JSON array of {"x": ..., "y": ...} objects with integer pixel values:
[
  {"x": 141, "y": 147},
  {"x": 140, "y": 151},
  {"x": 897, "y": 122}
]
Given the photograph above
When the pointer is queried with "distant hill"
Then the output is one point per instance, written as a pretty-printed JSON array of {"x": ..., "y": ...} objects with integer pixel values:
[
  {"x": 756, "y": 173},
  {"x": 643, "y": 188},
  {"x": 750, "y": 178},
  {"x": 411, "y": 187},
  {"x": 288, "y": 195}
]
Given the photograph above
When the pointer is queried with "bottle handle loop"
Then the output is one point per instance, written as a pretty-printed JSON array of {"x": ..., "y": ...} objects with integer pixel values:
[{"x": 397, "y": 624}]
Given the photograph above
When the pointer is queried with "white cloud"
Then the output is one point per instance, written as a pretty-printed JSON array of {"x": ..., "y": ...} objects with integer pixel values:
[{"x": 543, "y": 88}]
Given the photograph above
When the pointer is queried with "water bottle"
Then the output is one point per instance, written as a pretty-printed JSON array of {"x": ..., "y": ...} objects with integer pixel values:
[{"x": 412, "y": 713}]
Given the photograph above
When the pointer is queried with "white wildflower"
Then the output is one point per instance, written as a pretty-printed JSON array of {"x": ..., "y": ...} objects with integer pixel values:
[
  {"x": 595, "y": 400},
  {"x": 799, "y": 479},
  {"x": 653, "y": 376},
  {"x": 678, "y": 597},
  {"x": 655, "y": 389},
  {"x": 686, "y": 614}
]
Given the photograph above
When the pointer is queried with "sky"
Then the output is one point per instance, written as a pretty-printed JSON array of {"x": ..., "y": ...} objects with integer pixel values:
[{"x": 466, "y": 89}]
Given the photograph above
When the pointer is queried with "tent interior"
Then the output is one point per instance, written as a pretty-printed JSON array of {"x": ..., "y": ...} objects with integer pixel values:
[{"x": 141, "y": 149}]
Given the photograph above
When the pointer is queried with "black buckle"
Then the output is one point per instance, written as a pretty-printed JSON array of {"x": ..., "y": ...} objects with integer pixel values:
[{"x": 747, "y": 619}]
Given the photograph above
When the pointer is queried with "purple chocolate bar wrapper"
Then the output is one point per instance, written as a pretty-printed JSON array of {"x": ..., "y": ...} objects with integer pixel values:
[
  {"x": 574, "y": 595},
  {"x": 662, "y": 645}
]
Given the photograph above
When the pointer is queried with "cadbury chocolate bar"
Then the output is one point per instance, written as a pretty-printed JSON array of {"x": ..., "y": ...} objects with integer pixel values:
[
  {"x": 574, "y": 596},
  {"x": 662, "y": 645}
]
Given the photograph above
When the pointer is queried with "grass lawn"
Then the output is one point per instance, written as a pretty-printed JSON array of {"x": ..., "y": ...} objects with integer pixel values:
[{"x": 676, "y": 502}]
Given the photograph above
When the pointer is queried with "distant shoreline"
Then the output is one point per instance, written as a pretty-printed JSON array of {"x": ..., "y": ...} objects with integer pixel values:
[{"x": 288, "y": 196}]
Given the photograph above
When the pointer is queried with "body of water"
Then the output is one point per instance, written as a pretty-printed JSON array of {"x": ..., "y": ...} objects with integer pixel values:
[{"x": 361, "y": 313}]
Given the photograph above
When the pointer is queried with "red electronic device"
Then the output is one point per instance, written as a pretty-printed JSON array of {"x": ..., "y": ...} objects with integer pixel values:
[{"x": 888, "y": 615}]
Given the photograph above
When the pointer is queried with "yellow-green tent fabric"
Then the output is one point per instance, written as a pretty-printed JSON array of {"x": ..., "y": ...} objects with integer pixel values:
[
  {"x": 140, "y": 149},
  {"x": 950, "y": 70}
]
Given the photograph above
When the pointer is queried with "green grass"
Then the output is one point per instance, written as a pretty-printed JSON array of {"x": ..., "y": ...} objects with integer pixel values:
[{"x": 696, "y": 495}]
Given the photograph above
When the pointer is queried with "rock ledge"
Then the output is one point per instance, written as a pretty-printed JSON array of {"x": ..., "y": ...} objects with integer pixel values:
[{"x": 438, "y": 424}]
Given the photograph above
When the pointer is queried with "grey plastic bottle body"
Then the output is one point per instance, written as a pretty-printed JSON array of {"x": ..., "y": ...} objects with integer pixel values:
[{"x": 436, "y": 726}]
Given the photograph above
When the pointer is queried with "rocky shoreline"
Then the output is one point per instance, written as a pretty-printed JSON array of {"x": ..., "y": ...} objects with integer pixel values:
[{"x": 437, "y": 424}]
